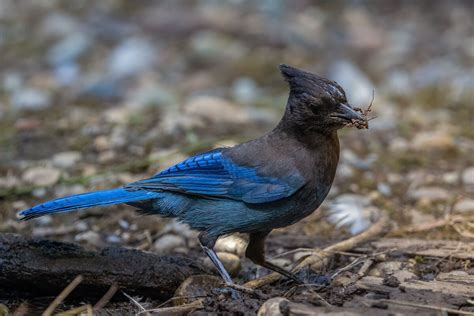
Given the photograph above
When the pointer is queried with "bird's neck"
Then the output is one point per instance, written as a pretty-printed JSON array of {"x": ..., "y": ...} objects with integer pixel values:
[{"x": 310, "y": 136}]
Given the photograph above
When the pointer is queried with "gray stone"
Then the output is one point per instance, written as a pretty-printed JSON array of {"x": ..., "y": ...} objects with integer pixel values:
[
  {"x": 245, "y": 90},
  {"x": 429, "y": 193},
  {"x": 167, "y": 243},
  {"x": 90, "y": 237},
  {"x": 69, "y": 49},
  {"x": 132, "y": 56},
  {"x": 41, "y": 176},
  {"x": 272, "y": 307},
  {"x": 468, "y": 176},
  {"x": 464, "y": 206},
  {"x": 66, "y": 159},
  {"x": 30, "y": 99}
]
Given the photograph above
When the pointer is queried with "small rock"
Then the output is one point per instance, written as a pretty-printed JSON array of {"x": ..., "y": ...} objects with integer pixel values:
[
  {"x": 207, "y": 109},
  {"x": 66, "y": 159},
  {"x": 114, "y": 239},
  {"x": 90, "y": 237},
  {"x": 195, "y": 286},
  {"x": 245, "y": 90},
  {"x": 41, "y": 176},
  {"x": 451, "y": 177},
  {"x": 468, "y": 176},
  {"x": 69, "y": 49},
  {"x": 277, "y": 306},
  {"x": 168, "y": 242},
  {"x": 404, "y": 275},
  {"x": 464, "y": 206},
  {"x": 232, "y": 244},
  {"x": 384, "y": 189},
  {"x": 398, "y": 144},
  {"x": 9, "y": 182},
  {"x": 178, "y": 228},
  {"x": 432, "y": 194},
  {"x": 44, "y": 220},
  {"x": 230, "y": 261},
  {"x": 385, "y": 268},
  {"x": 352, "y": 159},
  {"x": 432, "y": 141},
  {"x": 132, "y": 56},
  {"x": 30, "y": 99}
]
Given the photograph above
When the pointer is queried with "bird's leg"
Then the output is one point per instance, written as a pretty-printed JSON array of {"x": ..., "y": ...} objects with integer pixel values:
[
  {"x": 207, "y": 244},
  {"x": 256, "y": 252}
]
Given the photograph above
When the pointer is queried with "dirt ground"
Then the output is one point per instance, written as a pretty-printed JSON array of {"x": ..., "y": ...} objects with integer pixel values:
[{"x": 94, "y": 95}]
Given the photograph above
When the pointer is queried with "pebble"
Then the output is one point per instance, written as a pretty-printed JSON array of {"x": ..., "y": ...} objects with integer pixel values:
[
  {"x": 178, "y": 228},
  {"x": 385, "y": 268},
  {"x": 404, "y": 275},
  {"x": 30, "y": 99},
  {"x": 66, "y": 159},
  {"x": 131, "y": 57},
  {"x": 468, "y": 176},
  {"x": 167, "y": 243},
  {"x": 234, "y": 244},
  {"x": 274, "y": 307},
  {"x": 90, "y": 237},
  {"x": 69, "y": 48},
  {"x": 9, "y": 182},
  {"x": 384, "y": 189},
  {"x": 451, "y": 177},
  {"x": 41, "y": 176},
  {"x": 245, "y": 90},
  {"x": 230, "y": 261},
  {"x": 206, "y": 109},
  {"x": 432, "y": 194},
  {"x": 464, "y": 206},
  {"x": 432, "y": 141}
]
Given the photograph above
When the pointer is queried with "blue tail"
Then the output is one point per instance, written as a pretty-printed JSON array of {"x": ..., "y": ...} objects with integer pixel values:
[{"x": 84, "y": 200}]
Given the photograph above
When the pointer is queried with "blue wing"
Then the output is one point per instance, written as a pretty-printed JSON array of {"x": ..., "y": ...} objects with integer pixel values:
[{"x": 214, "y": 176}]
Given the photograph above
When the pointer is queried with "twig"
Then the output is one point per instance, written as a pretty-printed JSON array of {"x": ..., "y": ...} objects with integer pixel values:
[
  {"x": 176, "y": 310},
  {"x": 106, "y": 298},
  {"x": 137, "y": 304},
  {"x": 67, "y": 290},
  {"x": 77, "y": 310},
  {"x": 376, "y": 229},
  {"x": 430, "y": 307},
  {"x": 347, "y": 267}
]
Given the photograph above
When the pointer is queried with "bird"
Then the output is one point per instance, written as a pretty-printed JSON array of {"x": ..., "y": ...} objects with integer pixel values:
[{"x": 270, "y": 182}]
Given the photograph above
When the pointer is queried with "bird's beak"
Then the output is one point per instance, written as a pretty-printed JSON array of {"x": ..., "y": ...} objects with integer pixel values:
[{"x": 349, "y": 113}]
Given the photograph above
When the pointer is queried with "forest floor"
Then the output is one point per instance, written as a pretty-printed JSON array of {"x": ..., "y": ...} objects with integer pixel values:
[{"x": 96, "y": 96}]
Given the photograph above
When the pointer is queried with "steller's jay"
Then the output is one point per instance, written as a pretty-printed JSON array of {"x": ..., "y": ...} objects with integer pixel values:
[{"x": 266, "y": 183}]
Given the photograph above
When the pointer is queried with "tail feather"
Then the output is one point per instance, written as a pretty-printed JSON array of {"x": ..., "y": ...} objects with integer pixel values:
[{"x": 84, "y": 200}]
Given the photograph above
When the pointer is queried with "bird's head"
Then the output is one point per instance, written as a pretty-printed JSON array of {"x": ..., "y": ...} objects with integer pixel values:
[{"x": 317, "y": 103}]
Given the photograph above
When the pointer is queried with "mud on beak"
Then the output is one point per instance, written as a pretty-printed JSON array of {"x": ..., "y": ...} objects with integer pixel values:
[{"x": 351, "y": 116}]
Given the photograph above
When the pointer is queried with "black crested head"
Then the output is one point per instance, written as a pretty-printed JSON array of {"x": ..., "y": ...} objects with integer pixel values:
[{"x": 316, "y": 103}]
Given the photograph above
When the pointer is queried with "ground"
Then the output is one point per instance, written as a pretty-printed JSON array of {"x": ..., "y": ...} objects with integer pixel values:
[{"x": 96, "y": 95}]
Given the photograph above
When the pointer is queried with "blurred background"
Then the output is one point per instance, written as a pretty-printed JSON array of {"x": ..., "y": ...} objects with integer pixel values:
[{"x": 95, "y": 94}]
